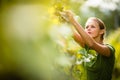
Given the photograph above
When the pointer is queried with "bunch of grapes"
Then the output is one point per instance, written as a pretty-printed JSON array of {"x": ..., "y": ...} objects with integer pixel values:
[{"x": 58, "y": 6}]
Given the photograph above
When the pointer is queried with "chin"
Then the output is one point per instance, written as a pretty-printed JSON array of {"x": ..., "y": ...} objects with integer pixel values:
[{"x": 91, "y": 35}]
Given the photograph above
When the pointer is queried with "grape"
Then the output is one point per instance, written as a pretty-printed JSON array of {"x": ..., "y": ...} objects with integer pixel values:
[{"x": 59, "y": 8}]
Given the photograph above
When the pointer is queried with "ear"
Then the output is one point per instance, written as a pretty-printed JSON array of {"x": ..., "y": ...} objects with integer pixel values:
[{"x": 102, "y": 31}]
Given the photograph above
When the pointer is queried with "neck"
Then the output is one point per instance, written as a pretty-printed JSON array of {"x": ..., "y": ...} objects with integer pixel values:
[{"x": 99, "y": 40}]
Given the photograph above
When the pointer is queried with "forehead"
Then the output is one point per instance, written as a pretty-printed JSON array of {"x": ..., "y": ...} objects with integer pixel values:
[{"x": 91, "y": 22}]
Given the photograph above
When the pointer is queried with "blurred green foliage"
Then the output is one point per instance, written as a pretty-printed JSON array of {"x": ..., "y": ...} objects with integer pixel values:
[{"x": 34, "y": 45}]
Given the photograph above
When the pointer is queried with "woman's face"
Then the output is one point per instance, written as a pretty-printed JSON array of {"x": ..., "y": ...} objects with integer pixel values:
[{"x": 92, "y": 28}]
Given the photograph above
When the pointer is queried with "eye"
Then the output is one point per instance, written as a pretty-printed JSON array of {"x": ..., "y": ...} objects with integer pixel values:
[
  {"x": 92, "y": 26},
  {"x": 86, "y": 27}
]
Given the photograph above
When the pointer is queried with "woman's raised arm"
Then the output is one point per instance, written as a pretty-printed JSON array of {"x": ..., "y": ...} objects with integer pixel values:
[{"x": 88, "y": 40}]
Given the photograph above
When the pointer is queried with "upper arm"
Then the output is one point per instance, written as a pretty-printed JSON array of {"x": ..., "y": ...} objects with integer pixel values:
[
  {"x": 102, "y": 49},
  {"x": 112, "y": 49}
]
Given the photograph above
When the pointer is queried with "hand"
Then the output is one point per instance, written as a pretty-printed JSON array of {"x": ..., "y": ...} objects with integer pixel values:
[{"x": 68, "y": 15}]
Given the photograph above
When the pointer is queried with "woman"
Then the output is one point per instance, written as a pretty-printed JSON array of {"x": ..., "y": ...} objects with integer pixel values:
[{"x": 92, "y": 37}]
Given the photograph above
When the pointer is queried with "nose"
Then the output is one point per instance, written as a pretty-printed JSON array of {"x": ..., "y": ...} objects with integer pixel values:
[{"x": 88, "y": 29}]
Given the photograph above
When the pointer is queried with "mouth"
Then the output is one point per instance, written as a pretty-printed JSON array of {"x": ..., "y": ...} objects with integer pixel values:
[{"x": 89, "y": 32}]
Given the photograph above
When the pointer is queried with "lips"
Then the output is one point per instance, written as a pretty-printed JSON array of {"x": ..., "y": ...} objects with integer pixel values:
[{"x": 89, "y": 32}]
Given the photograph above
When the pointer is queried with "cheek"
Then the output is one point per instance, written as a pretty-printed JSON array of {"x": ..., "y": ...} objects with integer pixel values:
[
  {"x": 85, "y": 30},
  {"x": 95, "y": 33}
]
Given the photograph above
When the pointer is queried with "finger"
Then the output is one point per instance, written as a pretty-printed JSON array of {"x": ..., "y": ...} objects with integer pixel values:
[{"x": 62, "y": 13}]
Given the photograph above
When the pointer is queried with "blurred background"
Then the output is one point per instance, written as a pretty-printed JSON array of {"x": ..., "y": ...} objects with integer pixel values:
[{"x": 35, "y": 42}]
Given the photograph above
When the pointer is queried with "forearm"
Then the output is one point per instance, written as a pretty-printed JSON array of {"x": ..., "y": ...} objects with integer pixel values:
[
  {"x": 86, "y": 38},
  {"x": 78, "y": 38}
]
